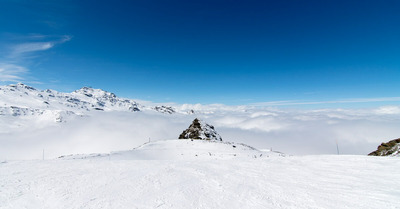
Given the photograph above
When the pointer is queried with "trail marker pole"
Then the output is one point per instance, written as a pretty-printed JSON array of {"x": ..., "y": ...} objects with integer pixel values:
[{"x": 337, "y": 147}]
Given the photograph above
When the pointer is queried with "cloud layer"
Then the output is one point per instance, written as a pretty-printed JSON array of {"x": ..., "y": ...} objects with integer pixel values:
[
  {"x": 354, "y": 100},
  {"x": 297, "y": 132}
]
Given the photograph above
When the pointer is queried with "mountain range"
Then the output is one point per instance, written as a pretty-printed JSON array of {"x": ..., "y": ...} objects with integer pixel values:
[{"x": 22, "y": 100}]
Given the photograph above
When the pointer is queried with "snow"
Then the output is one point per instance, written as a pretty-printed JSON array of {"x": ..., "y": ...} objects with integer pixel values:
[
  {"x": 180, "y": 149},
  {"x": 275, "y": 182}
]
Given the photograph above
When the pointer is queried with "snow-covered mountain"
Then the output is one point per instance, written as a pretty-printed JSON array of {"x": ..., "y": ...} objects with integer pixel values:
[
  {"x": 164, "y": 109},
  {"x": 22, "y": 100}
]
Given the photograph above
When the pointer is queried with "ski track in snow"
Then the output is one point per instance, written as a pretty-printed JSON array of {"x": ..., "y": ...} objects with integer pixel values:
[{"x": 275, "y": 182}]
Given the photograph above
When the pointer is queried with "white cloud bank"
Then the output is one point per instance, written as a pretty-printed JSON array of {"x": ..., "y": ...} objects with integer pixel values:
[
  {"x": 345, "y": 101},
  {"x": 298, "y": 132}
]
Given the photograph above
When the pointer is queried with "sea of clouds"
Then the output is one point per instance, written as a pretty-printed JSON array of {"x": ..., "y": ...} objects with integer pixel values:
[{"x": 292, "y": 131}]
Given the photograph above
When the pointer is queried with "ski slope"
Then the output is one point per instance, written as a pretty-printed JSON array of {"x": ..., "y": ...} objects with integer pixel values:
[{"x": 139, "y": 179}]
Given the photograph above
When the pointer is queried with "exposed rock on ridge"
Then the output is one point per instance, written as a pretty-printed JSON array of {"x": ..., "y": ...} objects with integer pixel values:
[{"x": 200, "y": 130}]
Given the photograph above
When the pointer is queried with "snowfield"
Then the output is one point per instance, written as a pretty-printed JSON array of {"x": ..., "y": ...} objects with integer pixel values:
[{"x": 138, "y": 179}]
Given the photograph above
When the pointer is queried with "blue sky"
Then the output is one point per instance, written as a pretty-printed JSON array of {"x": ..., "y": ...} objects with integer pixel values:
[{"x": 321, "y": 53}]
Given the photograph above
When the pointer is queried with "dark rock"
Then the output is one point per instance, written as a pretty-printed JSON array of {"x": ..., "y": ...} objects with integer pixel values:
[
  {"x": 389, "y": 148},
  {"x": 201, "y": 131},
  {"x": 134, "y": 108},
  {"x": 74, "y": 100}
]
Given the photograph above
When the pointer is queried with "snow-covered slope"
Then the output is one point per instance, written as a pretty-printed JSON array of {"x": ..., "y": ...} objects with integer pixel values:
[
  {"x": 310, "y": 182},
  {"x": 184, "y": 150}
]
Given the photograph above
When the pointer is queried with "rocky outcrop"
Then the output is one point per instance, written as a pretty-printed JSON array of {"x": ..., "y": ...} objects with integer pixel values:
[
  {"x": 201, "y": 131},
  {"x": 391, "y": 148}
]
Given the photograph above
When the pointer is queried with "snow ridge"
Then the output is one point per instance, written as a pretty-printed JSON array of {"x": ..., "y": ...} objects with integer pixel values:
[{"x": 183, "y": 150}]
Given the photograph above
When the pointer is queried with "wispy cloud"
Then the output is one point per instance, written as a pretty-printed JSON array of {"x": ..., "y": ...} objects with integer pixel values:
[
  {"x": 354, "y": 100},
  {"x": 13, "y": 66},
  {"x": 30, "y": 47},
  {"x": 11, "y": 72}
]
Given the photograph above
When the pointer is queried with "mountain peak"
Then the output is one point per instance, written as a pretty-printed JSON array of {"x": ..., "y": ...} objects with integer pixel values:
[
  {"x": 87, "y": 89},
  {"x": 22, "y": 86},
  {"x": 200, "y": 130},
  {"x": 89, "y": 92}
]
